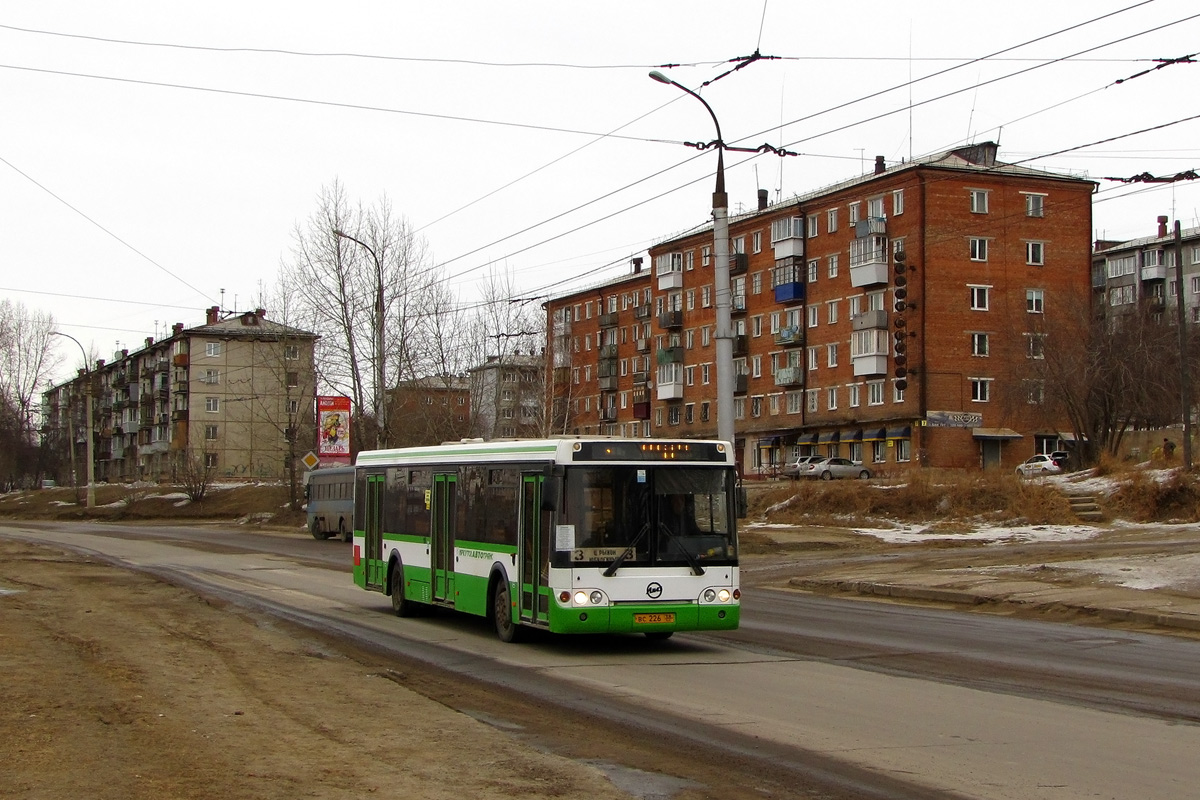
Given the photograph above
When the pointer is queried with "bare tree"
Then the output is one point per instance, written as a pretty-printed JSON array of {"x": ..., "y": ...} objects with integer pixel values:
[
  {"x": 26, "y": 362},
  {"x": 196, "y": 470}
]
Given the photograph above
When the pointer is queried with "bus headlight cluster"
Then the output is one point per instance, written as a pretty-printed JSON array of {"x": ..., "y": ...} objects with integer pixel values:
[
  {"x": 711, "y": 595},
  {"x": 582, "y": 597}
]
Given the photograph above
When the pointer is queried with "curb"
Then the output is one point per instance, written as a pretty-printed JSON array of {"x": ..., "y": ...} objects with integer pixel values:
[{"x": 900, "y": 591}]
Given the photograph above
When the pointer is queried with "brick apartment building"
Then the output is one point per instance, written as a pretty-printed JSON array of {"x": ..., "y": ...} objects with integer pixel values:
[
  {"x": 231, "y": 392},
  {"x": 1141, "y": 273},
  {"x": 891, "y": 318},
  {"x": 430, "y": 410}
]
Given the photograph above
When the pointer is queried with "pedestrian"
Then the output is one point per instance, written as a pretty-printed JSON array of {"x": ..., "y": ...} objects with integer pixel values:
[{"x": 1168, "y": 449}]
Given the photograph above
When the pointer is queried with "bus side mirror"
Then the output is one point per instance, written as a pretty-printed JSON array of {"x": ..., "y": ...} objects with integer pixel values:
[
  {"x": 551, "y": 484},
  {"x": 743, "y": 503}
]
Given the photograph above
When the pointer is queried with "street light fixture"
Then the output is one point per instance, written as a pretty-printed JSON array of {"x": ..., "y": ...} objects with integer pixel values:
[
  {"x": 91, "y": 460},
  {"x": 380, "y": 374},
  {"x": 724, "y": 336}
]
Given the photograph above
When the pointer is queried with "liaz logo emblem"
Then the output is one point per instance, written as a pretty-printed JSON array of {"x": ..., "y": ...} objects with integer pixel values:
[{"x": 654, "y": 590}]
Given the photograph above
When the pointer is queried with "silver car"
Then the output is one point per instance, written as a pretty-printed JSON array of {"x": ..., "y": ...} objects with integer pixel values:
[
  {"x": 792, "y": 468},
  {"x": 829, "y": 468}
]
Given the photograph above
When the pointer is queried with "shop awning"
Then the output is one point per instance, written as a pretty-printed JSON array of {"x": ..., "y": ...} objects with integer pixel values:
[
  {"x": 853, "y": 436},
  {"x": 829, "y": 437},
  {"x": 768, "y": 443},
  {"x": 806, "y": 439},
  {"x": 995, "y": 433},
  {"x": 874, "y": 435},
  {"x": 899, "y": 433}
]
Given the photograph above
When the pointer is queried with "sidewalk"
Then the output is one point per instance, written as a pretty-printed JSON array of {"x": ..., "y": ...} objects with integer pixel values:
[{"x": 975, "y": 587}]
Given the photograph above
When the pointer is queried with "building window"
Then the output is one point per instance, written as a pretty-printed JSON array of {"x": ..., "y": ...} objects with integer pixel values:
[
  {"x": 854, "y": 395},
  {"x": 832, "y": 306},
  {"x": 739, "y": 408},
  {"x": 756, "y": 326},
  {"x": 814, "y": 316},
  {"x": 689, "y": 375},
  {"x": 293, "y": 379},
  {"x": 705, "y": 373},
  {"x": 756, "y": 366},
  {"x": 812, "y": 400},
  {"x": 756, "y": 283},
  {"x": 756, "y": 241},
  {"x": 673, "y": 415},
  {"x": 979, "y": 201},
  {"x": 1035, "y": 253},
  {"x": 979, "y": 248},
  {"x": 981, "y": 389},
  {"x": 1037, "y": 345},
  {"x": 854, "y": 212},
  {"x": 855, "y": 306},
  {"x": 812, "y": 226},
  {"x": 875, "y": 207},
  {"x": 212, "y": 404},
  {"x": 813, "y": 266},
  {"x": 706, "y": 296},
  {"x": 897, "y": 202},
  {"x": 979, "y": 298},
  {"x": 874, "y": 393},
  {"x": 979, "y": 344},
  {"x": 1035, "y": 300},
  {"x": 212, "y": 348},
  {"x": 833, "y": 265},
  {"x": 1035, "y": 391},
  {"x": 831, "y": 354},
  {"x": 812, "y": 358},
  {"x": 831, "y": 398},
  {"x": 291, "y": 352},
  {"x": 897, "y": 392},
  {"x": 210, "y": 460},
  {"x": 756, "y": 406},
  {"x": 1034, "y": 205},
  {"x": 212, "y": 376},
  {"x": 705, "y": 255},
  {"x": 704, "y": 412},
  {"x": 831, "y": 220},
  {"x": 903, "y": 449},
  {"x": 737, "y": 244},
  {"x": 210, "y": 432},
  {"x": 293, "y": 406},
  {"x": 689, "y": 413}
]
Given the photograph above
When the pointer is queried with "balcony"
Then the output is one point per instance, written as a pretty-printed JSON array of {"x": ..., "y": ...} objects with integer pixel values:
[
  {"x": 641, "y": 312},
  {"x": 180, "y": 360},
  {"x": 738, "y": 263},
  {"x": 672, "y": 279},
  {"x": 670, "y": 319},
  {"x": 608, "y": 351},
  {"x": 179, "y": 414},
  {"x": 608, "y": 383},
  {"x": 741, "y": 383},
  {"x": 870, "y": 226},
  {"x": 790, "y": 336},
  {"x": 670, "y": 355},
  {"x": 607, "y": 414},
  {"x": 789, "y": 376},
  {"x": 609, "y": 320},
  {"x": 741, "y": 345},
  {"x": 643, "y": 345},
  {"x": 869, "y": 365},
  {"x": 162, "y": 365},
  {"x": 737, "y": 304},
  {"x": 789, "y": 278},
  {"x": 868, "y": 261},
  {"x": 641, "y": 410},
  {"x": 869, "y": 320},
  {"x": 670, "y": 390},
  {"x": 641, "y": 378}
]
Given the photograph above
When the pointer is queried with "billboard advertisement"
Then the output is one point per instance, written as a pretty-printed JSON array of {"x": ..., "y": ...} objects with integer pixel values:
[{"x": 333, "y": 429}]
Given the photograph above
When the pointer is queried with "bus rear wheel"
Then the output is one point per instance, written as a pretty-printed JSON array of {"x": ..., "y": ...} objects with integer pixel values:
[
  {"x": 344, "y": 534},
  {"x": 401, "y": 606},
  {"x": 506, "y": 627}
]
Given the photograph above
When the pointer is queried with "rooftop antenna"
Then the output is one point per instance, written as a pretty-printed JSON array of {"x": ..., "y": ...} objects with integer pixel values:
[
  {"x": 910, "y": 85},
  {"x": 222, "y": 299},
  {"x": 862, "y": 167}
]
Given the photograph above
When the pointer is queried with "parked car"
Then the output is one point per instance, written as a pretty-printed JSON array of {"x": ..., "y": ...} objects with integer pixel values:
[
  {"x": 1062, "y": 458},
  {"x": 1041, "y": 464},
  {"x": 792, "y": 469},
  {"x": 829, "y": 468}
]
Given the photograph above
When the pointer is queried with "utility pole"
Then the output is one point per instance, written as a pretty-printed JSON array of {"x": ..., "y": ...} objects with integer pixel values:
[
  {"x": 381, "y": 439},
  {"x": 1185, "y": 399},
  {"x": 91, "y": 443}
]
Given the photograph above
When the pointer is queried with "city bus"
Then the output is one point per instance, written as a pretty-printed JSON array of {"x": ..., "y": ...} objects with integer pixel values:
[
  {"x": 329, "y": 495},
  {"x": 569, "y": 535}
]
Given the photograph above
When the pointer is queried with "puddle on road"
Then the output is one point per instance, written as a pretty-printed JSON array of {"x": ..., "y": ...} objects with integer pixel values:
[{"x": 643, "y": 785}]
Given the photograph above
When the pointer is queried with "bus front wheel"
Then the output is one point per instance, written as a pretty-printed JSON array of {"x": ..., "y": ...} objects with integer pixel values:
[
  {"x": 344, "y": 534},
  {"x": 502, "y": 614},
  {"x": 314, "y": 527}
]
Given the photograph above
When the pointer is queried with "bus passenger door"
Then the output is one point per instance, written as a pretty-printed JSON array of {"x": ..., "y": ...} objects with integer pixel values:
[
  {"x": 534, "y": 544},
  {"x": 442, "y": 531},
  {"x": 376, "y": 570}
]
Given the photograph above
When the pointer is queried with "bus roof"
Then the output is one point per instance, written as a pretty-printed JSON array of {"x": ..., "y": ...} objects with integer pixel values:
[{"x": 559, "y": 450}]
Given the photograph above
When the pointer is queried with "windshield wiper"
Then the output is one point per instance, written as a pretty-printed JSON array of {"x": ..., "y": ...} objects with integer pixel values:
[
  {"x": 696, "y": 568},
  {"x": 616, "y": 565}
]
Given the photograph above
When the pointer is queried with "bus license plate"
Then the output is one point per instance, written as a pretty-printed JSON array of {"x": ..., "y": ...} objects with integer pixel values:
[{"x": 654, "y": 619}]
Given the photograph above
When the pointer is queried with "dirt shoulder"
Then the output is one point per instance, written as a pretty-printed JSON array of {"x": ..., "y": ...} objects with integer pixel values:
[{"x": 116, "y": 685}]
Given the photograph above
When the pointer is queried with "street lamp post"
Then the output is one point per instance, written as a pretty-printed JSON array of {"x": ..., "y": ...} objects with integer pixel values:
[
  {"x": 724, "y": 336},
  {"x": 87, "y": 393},
  {"x": 380, "y": 366}
]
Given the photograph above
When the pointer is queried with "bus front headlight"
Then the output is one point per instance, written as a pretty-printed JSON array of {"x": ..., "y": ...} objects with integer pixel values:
[{"x": 709, "y": 595}]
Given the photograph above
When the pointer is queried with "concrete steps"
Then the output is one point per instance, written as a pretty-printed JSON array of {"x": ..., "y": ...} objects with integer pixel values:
[{"x": 1085, "y": 507}]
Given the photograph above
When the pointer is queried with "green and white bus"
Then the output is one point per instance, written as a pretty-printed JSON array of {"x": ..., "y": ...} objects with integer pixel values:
[{"x": 570, "y": 535}]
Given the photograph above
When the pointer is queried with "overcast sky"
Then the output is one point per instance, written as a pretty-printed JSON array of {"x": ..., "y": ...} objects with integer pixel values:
[{"x": 156, "y": 154}]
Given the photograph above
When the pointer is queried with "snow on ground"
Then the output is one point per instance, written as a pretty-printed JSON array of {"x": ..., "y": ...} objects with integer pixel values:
[
  {"x": 1176, "y": 572},
  {"x": 913, "y": 534}
]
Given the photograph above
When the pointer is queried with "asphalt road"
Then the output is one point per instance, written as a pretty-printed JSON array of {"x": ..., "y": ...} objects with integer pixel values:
[{"x": 873, "y": 699}]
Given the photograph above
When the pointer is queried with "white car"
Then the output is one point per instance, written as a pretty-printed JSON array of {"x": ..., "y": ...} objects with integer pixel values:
[
  {"x": 827, "y": 469},
  {"x": 1040, "y": 464}
]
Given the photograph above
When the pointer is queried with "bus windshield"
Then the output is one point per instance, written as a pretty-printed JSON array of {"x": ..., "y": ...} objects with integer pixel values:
[{"x": 641, "y": 516}]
